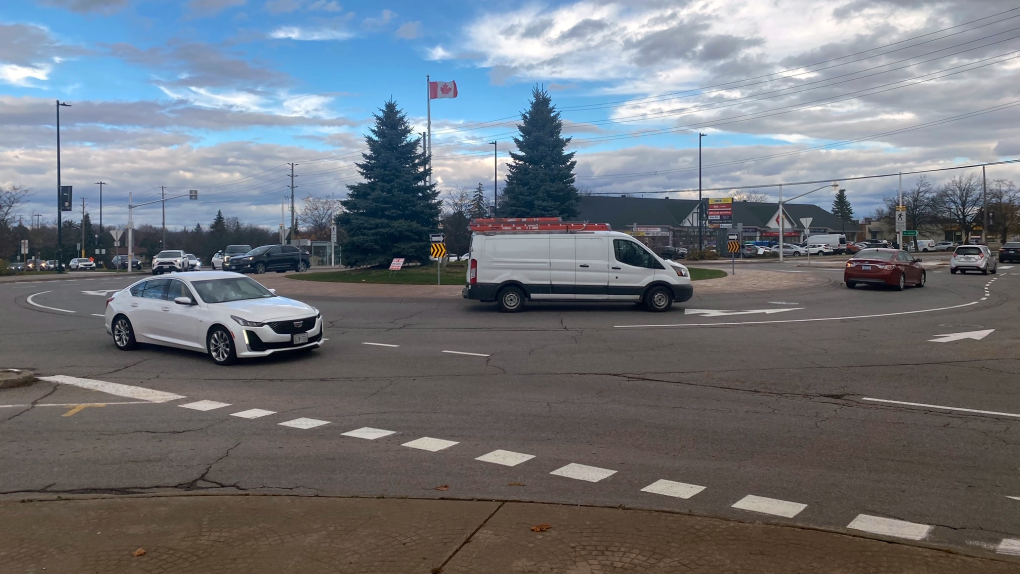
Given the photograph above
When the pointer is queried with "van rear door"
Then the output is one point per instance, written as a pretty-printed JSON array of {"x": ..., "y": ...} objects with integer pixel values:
[{"x": 591, "y": 257}]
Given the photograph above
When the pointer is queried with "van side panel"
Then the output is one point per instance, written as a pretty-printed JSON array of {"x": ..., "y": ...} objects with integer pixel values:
[
  {"x": 592, "y": 263},
  {"x": 563, "y": 268},
  {"x": 520, "y": 258}
]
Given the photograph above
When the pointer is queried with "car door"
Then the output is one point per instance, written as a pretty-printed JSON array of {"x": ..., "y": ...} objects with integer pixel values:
[
  {"x": 290, "y": 257},
  {"x": 181, "y": 324},
  {"x": 147, "y": 308},
  {"x": 905, "y": 262},
  {"x": 633, "y": 267},
  {"x": 563, "y": 266},
  {"x": 273, "y": 257},
  {"x": 591, "y": 273}
]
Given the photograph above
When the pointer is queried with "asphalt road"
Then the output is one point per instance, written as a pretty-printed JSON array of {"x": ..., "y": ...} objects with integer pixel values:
[{"x": 766, "y": 394}]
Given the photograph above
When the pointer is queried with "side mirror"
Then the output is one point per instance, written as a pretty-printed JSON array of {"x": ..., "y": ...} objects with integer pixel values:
[
  {"x": 273, "y": 291},
  {"x": 184, "y": 301},
  {"x": 918, "y": 260}
]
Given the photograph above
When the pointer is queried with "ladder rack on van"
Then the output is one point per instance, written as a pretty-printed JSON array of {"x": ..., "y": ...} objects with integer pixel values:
[{"x": 534, "y": 224}]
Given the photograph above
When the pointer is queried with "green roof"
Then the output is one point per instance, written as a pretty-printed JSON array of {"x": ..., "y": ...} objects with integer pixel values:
[{"x": 623, "y": 212}]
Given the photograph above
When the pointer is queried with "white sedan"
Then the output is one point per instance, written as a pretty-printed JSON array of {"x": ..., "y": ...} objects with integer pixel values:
[
  {"x": 820, "y": 249},
  {"x": 226, "y": 315}
]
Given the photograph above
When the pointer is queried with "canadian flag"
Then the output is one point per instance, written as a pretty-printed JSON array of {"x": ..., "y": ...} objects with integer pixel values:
[{"x": 439, "y": 90}]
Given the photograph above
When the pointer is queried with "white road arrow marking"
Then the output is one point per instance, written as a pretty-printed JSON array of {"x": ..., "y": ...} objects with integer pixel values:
[
  {"x": 1014, "y": 497},
  {"x": 725, "y": 313},
  {"x": 100, "y": 292},
  {"x": 950, "y": 337}
]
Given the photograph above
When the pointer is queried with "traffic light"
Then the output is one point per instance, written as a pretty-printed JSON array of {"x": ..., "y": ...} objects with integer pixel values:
[
  {"x": 192, "y": 194},
  {"x": 65, "y": 198}
]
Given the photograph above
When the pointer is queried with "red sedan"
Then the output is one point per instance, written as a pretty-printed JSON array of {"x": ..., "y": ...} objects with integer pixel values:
[{"x": 891, "y": 267}]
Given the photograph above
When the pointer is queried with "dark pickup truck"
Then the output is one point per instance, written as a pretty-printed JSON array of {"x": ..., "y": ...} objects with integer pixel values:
[{"x": 277, "y": 258}]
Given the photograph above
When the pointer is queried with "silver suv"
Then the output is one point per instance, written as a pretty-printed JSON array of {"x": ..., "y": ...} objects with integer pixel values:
[
  {"x": 172, "y": 260},
  {"x": 973, "y": 258}
]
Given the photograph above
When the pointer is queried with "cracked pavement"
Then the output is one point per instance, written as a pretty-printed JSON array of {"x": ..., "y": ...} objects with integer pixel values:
[{"x": 772, "y": 409}]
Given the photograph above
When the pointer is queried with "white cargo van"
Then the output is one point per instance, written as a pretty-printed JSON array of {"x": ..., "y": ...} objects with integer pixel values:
[
  {"x": 836, "y": 241},
  {"x": 511, "y": 268}
]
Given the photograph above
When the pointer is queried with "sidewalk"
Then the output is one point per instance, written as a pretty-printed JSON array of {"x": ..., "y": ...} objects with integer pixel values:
[{"x": 309, "y": 535}]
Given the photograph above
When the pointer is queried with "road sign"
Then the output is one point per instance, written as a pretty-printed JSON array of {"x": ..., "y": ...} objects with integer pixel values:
[
  {"x": 24, "y": 247},
  {"x": 438, "y": 250},
  {"x": 909, "y": 233},
  {"x": 332, "y": 233},
  {"x": 192, "y": 194},
  {"x": 732, "y": 237},
  {"x": 725, "y": 226},
  {"x": 116, "y": 243},
  {"x": 116, "y": 233},
  {"x": 806, "y": 222},
  {"x": 901, "y": 218},
  {"x": 396, "y": 264},
  {"x": 437, "y": 238},
  {"x": 733, "y": 246}
]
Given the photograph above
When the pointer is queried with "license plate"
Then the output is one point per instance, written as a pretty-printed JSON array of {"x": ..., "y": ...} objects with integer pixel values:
[
  {"x": 299, "y": 338},
  {"x": 866, "y": 267}
]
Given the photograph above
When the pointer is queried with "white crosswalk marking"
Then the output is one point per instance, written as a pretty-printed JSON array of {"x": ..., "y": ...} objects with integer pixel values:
[
  {"x": 505, "y": 457},
  {"x": 368, "y": 433},
  {"x": 253, "y": 413},
  {"x": 583, "y": 472},
  {"x": 771, "y": 506},
  {"x": 204, "y": 405},
  {"x": 304, "y": 423},
  {"x": 674, "y": 489},
  {"x": 1009, "y": 546},
  {"x": 429, "y": 444},
  {"x": 890, "y": 527}
]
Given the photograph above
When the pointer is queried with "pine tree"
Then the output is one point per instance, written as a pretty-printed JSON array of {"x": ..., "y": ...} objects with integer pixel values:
[
  {"x": 841, "y": 208},
  {"x": 541, "y": 178},
  {"x": 479, "y": 207},
  {"x": 392, "y": 212},
  {"x": 219, "y": 225}
]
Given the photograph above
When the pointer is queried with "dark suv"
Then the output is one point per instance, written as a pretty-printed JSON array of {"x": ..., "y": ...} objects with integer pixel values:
[
  {"x": 277, "y": 258},
  {"x": 234, "y": 251}
]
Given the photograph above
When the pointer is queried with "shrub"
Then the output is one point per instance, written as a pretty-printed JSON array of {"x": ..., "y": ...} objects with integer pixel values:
[{"x": 702, "y": 255}]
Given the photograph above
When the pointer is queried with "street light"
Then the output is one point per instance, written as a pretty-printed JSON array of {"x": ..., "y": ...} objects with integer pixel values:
[
  {"x": 701, "y": 207},
  {"x": 60, "y": 206}
]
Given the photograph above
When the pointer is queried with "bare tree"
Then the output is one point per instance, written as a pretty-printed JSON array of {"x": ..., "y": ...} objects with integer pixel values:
[
  {"x": 458, "y": 201},
  {"x": 750, "y": 197},
  {"x": 317, "y": 216},
  {"x": 922, "y": 203},
  {"x": 1003, "y": 208},
  {"x": 11, "y": 199},
  {"x": 960, "y": 200}
]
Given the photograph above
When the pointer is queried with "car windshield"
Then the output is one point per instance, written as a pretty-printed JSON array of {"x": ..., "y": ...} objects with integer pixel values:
[
  {"x": 259, "y": 250},
  {"x": 968, "y": 250},
  {"x": 1011, "y": 245},
  {"x": 875, "y": 254},
  {"x": 230, "y": 289},
  {"x": 169, "y": 254},
  {"x": 234, "y": 249}
]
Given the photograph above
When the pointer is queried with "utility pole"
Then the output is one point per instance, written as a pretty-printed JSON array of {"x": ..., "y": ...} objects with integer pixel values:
[
  {"x": 82, "y": 228},
  {"x": 701, "y": 206},
  {"x": 162, "y": 196},
  {"x": 283, "y": 208},
  {"x": 984, "y": 208},
  {"x": 899, "y": 234},
  {"x": 38, "y": 220},
  {"x": 60, "y": 247},
  {"x": 101, "y": 184},
  {"x": 495, "y": 177},
  {"x": 293, "y": 215}
]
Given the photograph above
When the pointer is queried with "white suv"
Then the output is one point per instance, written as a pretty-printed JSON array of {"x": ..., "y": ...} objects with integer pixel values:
[
  {"x": 973, "y": 258},
  {"x": 167, "y": 261}
]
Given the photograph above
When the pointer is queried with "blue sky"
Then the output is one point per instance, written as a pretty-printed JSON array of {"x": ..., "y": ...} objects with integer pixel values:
[{"x": 219, "y": 94}]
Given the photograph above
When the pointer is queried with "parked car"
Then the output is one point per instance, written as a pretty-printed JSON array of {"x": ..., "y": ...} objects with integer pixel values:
[
  {"x": 511, "y": 268},
  {"x": 17, "y": 266},
  {"x": 945, "y": 246},
  {"x": 217, "y": 260},
  {"x": 836, "y": 241},
  {"x": 50, "y": 265},
  {"x": 792, "y": 250},
  {"x": 820, "y": 249},
  {"x": 81, "y": 264},
  {"x": 673, "y": 253},
  {"x": 749, "y": 250},
  {"x": 194, "y": 263},
  {"x": 972, "y": 258},
  {"x": 34, "y": 265},
  {"x": 277, "y": 258},
  {"x": 1009, "y": 252},
  {"x": 924, "y": 245},
  {"x": 226, "y": 315},
  {"x": 234, "y": 251},
  {"x": 170, "y": 260},
  {"x": 891, "y": 267},
  {"x": 120, "y": 262}
]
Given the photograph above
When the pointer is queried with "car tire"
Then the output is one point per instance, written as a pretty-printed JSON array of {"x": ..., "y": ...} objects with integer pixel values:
[
  {"x": 220, "y": 346},
  {"x": 924, "y": 279},
  {"x": 995, "y": 270},
  {"x": 154, "y": 272},
  {"x": 952, "y": 271},
  {"x": 902, "y": 283},
  {"x": 851, "y": 284},
  {"x": 796, "y": 254},
  {"x": 302, "y": 267},
  {"x": 123, "y": 333},
  {"x": 511, "y": 300},
  {"x": 985, "y": 271},
  {"x": 658, "y": 299},
  {"x": 260, "y": 268}
]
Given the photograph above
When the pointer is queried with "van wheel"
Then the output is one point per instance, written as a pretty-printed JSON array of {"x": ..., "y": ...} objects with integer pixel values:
[
  {"x": 658, "y": 299},
  {"x": 851, "y": 284},
  {"x": 510, "y": 300}
]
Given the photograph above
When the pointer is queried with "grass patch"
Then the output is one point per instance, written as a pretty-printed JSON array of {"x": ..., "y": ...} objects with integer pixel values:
[
  {"x": 698, "y": 273},
  {"x": 454, "y": 273}
]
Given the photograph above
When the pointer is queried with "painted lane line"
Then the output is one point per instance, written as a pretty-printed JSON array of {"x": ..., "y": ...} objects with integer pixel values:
[
  {"x": 984, "y": 298},
  {"x": 380, "y": 345},
  {"x": 126, "y": 391},
  {"x": 1014, "y": 497},
  {"x": 505, "y": 457},
  {"x": 1009, "y": 546},
  {"x": 76, "y": 404},
  {"x": 927, "y": 406},
  {"x": 253, "y": 413},
  {"x": 771, "y": 506},
  {"x": 800, "y": 320},
  {"x": 890, "y": 527},
  {"x": 368, "y": 433},
  {"x": 1004, "y": 267},
  {"x": 583, "y": 472},
  {"x": 304, "y": 423},
  {"x": 99, "y": 315},
  {"x": 34, "y": 304},
  {"x": 782, "y": 303},
  {"x": 430, "y": 444},
  {"x": 463, "y": 353},
  {"x": 725, "y": 313},
  {"x": 204, "y": 405},
  {"x": 674, "y": 489}
]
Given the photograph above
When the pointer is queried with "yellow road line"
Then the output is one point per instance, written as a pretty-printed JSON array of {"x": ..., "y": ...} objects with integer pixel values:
[{"x": 78, "y": 408}]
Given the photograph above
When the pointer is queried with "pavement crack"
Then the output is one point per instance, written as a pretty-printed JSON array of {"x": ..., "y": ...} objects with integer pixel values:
[
  {"x": 120, "y": 369},
  {"x": 439, "y": 569},
  {"x": 32, "y": 405}
]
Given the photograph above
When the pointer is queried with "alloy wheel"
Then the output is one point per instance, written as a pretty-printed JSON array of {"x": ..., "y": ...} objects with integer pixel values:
[{"x": 219, "y": 346}]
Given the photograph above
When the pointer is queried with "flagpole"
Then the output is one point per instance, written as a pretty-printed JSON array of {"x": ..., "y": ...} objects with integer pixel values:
[{"x": 428, "y": 108}]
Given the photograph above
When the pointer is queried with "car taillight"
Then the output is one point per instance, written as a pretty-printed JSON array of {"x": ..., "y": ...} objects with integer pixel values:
[
  {"x": 473, "y": 274},
  {"x": 981, "y": 255},
  {"x": 108, "y": 301}
]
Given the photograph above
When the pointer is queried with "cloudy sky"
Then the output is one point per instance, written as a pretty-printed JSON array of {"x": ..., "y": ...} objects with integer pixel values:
[{"x": 218, "y": 95}]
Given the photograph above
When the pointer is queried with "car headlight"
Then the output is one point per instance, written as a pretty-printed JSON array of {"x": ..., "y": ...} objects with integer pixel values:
[
  {"x": 680, "y": 271},
  {"x": 245, "y": 322}
]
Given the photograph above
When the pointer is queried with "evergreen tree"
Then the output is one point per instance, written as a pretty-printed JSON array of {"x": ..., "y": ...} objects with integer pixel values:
[
  {"x": 841, "y": 208},
  {"x": 392, "y": 212},
  {"x": 541, "y": 178},
  {"x": 198, "y": 228},
  {"x": 219, "y": 224},
  {"x": 90, "y": 236},
  {"x": 479, "y": 207}
]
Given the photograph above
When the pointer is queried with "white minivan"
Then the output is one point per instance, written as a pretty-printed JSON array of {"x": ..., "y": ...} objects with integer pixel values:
[
  {"x": 836, "y": 241},
  {"x": 511, "y": 268}
]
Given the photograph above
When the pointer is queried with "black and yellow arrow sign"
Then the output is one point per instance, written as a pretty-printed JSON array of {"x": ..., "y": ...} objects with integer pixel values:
[
  {"x": 733, "y": 246},
  {"x": 438, "y": 250}
]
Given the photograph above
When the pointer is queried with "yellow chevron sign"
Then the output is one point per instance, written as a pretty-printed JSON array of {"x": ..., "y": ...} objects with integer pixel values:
[
  {"x": 733, "y": 246},
  {"x": 438, "y": 250}
]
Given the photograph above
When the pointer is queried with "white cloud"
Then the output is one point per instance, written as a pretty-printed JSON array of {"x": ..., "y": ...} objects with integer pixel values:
[
  {"x": 308, "y": 105},
  {"x": 20, "y": 75},
  {"x": 207, "y": 98},
  {"x": 384, "y": 18},
  {"x": 438, "y": 54},
  {"x": 309, "y": 34},
  {"x": 409, "y": 31},
  {"x": 324, "y": 6}
]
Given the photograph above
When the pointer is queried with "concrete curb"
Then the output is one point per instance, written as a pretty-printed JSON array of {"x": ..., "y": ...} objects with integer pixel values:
[
  {"x": 10, "y": 378},
  {"x": 66, "y": 276}
]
